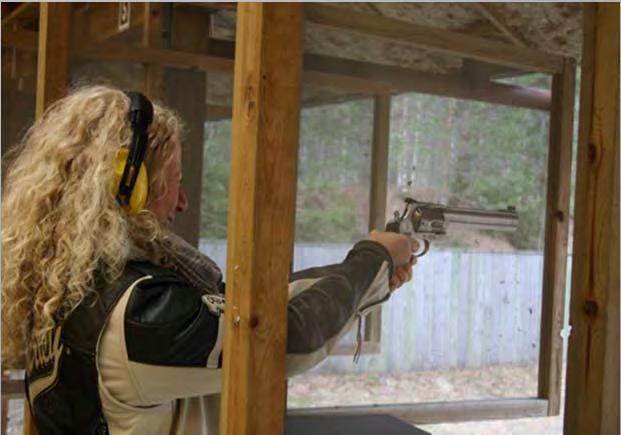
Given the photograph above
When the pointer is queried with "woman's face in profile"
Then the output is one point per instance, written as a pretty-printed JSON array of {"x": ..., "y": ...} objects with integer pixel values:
[{"x": 166, "y": 206}]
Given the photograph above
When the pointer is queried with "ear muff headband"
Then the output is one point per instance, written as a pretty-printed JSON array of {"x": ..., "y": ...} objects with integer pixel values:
[{"x": 133, "y": 183}]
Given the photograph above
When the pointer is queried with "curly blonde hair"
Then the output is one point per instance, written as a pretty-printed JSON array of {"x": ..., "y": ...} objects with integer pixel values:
[{"x": 61, "y": 223}]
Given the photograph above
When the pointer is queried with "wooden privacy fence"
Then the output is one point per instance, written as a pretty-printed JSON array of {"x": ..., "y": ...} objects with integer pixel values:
[{"x": 462, "y": 309}]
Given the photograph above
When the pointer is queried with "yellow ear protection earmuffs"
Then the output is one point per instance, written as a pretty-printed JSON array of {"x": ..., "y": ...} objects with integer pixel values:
[{"x": 131, "y": 174}]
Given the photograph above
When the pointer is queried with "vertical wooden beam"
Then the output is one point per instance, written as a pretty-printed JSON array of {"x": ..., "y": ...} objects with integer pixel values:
[
  {"x": 52, "y": 80},
  {"x": 379, "y": 186},
  {"x": 152, "y": 37},
  {"x": 186, "y": 91},
  {"x": 556, "y": 236},
  {"x": 53, "y": 55},
  {"x": 592, "y": 404},
  {"x": 266, "y": 110}
]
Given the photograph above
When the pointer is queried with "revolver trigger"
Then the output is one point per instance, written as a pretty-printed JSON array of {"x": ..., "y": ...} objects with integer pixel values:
[{"x": 427, "y": 244}]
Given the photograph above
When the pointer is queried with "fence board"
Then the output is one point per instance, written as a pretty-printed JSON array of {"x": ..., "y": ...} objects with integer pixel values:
[{"x": 462, "y": 309}]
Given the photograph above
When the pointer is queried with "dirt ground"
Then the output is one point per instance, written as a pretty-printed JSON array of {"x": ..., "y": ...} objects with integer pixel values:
[{"x": 486, "y": 383}]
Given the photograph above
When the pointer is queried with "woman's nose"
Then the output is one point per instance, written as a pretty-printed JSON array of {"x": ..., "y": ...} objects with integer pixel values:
[{"x": 182, "y": 201}]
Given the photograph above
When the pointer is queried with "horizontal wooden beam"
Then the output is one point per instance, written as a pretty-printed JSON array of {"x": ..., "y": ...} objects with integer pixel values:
[
  {"x": 477, "y": 71},
  {"x": 12, "y": 389},
  {"x": 443, "y": 40},
  {"x": 323, "y": 71},
  {"x": 454, "y": 86},
  {"x": 442, "y": 412},
  {"x": 25, "y": 40},
  {"x": 399, "y": 80},
  {"x": 160, "y": 56},
  {"x": 217, "y": 113}
]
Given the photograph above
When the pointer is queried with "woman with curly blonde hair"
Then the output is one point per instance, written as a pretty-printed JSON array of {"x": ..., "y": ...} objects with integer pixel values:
[
  {"x": 117, "y": 320},
  {"x": 60, "y": 220}
]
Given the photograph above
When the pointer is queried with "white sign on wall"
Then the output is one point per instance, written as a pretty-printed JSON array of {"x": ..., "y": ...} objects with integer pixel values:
[{"x": 124, "y": 15}]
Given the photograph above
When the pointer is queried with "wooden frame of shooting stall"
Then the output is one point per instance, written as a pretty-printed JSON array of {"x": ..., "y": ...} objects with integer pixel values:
[{"x": 269, "y": 67}]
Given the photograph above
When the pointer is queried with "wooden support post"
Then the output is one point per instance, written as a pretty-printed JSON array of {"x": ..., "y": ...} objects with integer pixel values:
[
  {"x": 379, "y": 186},
  {"x": 266, "y": 110},
  {"x": 379, "y": 162},
  {"x": 53, "y": 57},
  {"x": 556, "y": 234},
  {"x": 186, "y": 92},
  {"x": 592, "y": 404},
  {"x": 52, "y": 78},
  {"x": 152, "y": 38}
]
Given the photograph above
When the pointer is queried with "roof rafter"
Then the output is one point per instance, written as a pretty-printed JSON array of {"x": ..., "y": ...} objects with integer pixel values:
[{"x": 490, "y": 12}]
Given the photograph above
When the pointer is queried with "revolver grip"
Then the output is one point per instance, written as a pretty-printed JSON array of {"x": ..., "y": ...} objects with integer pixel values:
[{"x": 392, "y": 227}]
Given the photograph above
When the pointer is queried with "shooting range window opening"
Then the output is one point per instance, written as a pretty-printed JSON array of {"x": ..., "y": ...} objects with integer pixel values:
[{"x": 467, "y": 326}]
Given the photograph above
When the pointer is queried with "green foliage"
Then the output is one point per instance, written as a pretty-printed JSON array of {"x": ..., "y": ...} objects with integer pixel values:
[
  {"x": 216, "y": 169},
  {"x": 442, "y": 150}
]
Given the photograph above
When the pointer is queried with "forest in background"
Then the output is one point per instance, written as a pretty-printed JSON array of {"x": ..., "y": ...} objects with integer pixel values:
[{"x": 451, "y": 151}]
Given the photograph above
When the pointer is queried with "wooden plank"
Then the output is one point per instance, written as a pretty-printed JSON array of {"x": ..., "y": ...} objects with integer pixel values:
[
  {"x": 556, "y": 236},
  {"x": 152, "y": 37},
  {"x": 162, "y": 56},
  {"x": 378, "y": 192},
  {"x": 217, "y": 113},
  {"x": 592, "y": 404},
  {"x": 12, "y": 389},
  {"x": 336, "y": 73},
  {"x": 442, "y": 412},
  {"x": 408, "y": 80},
  {"x": 20, "y": 39},
  {"x": 266, "y": 109},
  {"x": 379, "y": 162},
  {"x": 454, "y": 86},
  {"x": 488, "y": 10},
  {"x": 330, "y": 80},
  {"x": 432, "y": 38},
  {"x": 53, "y": 54},
  {"x": 186, "y": 92}
]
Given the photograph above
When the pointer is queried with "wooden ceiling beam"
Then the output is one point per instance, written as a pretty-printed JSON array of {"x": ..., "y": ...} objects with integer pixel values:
[
  {"x": 433, "y": 38},
  {"x": 408, "y": 80},
  {"x": 323, "y": 71},
  {"x": 181, "y": 59},
  {"x": 454, "y": 86},
  {"x": 477, "y": 72}
]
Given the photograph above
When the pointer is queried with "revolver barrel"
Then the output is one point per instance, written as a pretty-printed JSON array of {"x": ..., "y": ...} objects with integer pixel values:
[{"x": 505, "y": 220}]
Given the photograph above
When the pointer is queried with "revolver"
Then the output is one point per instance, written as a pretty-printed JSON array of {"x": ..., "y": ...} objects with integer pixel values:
[{"x": 429, "y": 221}]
